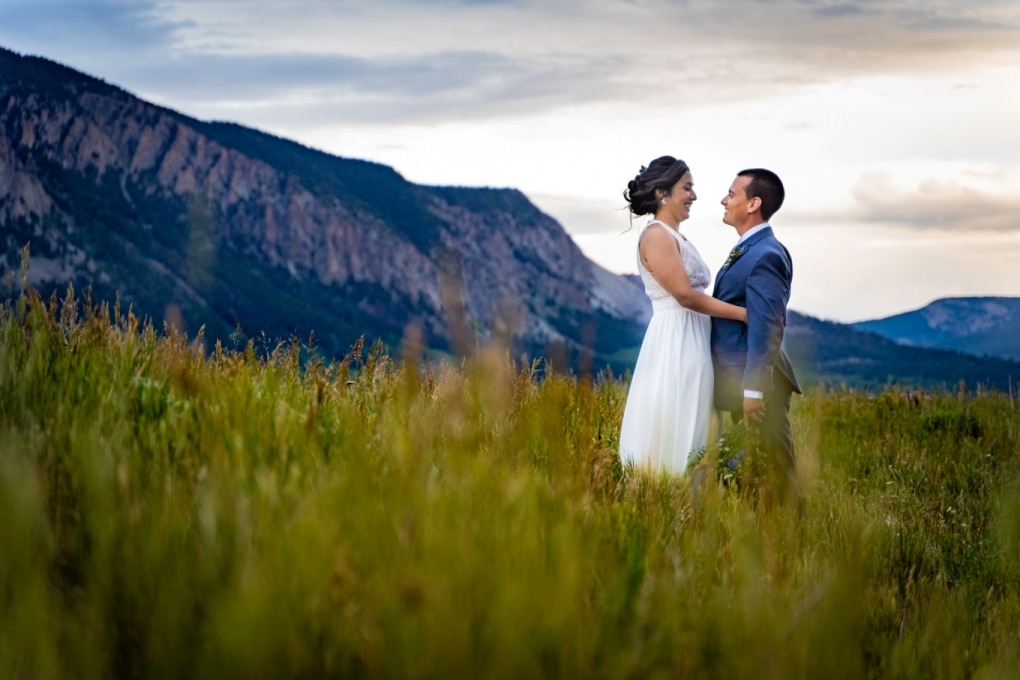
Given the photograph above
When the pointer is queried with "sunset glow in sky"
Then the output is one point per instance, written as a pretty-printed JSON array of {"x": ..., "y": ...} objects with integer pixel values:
[{"x": 894, "y": 124}]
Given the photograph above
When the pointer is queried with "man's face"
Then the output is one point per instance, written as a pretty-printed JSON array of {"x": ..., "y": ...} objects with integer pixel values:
[{"x": 735, "y": 202}]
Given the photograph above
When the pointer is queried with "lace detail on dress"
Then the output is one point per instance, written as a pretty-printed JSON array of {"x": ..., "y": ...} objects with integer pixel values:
[{"x": 698, "y": 272}]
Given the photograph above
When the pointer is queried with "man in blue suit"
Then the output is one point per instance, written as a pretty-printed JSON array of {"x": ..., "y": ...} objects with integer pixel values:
[{"x": 753, "y": 376}]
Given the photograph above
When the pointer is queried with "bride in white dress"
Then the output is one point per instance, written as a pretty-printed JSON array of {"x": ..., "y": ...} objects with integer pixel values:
[{"x": 669, "y": 404}]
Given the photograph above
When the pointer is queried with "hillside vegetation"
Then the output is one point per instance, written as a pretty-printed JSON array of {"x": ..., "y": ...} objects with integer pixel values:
[
  {"x": 167, "y": 512},
  {"x": 249, "y": 235}
]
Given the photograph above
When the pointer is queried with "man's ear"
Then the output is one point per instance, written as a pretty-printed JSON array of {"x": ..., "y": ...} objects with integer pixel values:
[{"x": 754, "y": 204}]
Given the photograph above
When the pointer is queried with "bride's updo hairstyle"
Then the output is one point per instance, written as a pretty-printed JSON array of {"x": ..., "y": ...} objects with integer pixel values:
[{"x": 662, "y": 173}]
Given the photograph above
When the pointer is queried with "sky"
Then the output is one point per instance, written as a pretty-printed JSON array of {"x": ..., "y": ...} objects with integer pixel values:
[{"x": 895, "y": 124}]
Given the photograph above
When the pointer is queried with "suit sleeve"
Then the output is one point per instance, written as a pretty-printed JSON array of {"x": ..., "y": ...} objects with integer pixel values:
[{"x": 768, "y": 291}]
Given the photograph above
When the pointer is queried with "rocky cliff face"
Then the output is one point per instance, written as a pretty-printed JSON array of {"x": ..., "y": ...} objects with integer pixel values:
[{"x": 212, "y": 220}]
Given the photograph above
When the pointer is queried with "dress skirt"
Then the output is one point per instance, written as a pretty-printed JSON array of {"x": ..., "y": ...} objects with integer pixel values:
[{"x": 669, "y": 404}]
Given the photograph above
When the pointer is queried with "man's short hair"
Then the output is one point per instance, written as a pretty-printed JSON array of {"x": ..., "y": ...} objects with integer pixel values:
[{"x": 767, "y": 186}]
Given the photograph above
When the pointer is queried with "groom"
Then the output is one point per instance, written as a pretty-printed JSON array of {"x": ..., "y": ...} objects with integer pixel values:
[{"x": 753, "y": 376}]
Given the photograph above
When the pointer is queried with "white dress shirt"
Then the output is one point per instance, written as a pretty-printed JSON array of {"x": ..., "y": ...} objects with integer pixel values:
[{"x": 753, "y": 394}]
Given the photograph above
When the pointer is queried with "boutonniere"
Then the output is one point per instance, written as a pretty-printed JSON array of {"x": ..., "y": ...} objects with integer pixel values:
[{"x": 734, "y": 255}]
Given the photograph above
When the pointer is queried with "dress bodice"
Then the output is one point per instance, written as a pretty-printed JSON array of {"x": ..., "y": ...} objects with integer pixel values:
[{"x": 698, "y": 272}]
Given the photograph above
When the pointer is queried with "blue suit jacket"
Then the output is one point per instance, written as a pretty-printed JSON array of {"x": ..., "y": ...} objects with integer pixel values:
[{"x": 751, "y": 356}]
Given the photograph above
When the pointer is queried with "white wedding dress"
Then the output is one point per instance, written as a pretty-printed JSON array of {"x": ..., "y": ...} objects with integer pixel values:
[{"x": 669, "y": 404}]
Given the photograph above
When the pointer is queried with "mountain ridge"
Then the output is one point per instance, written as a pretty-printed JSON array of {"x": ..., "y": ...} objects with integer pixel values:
[
  {"x": 217, "y": 221},
  {"x": 216, "y": 225},
  {"x": 836, "y": 354},
  {"x": 981, "y": 326}
]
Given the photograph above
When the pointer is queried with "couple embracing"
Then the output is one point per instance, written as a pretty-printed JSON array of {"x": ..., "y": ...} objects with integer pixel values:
[{"x": 701, "y": 350}]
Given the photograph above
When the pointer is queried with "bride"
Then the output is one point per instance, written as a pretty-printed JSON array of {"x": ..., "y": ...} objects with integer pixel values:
[{"x": 670, "y": 399}]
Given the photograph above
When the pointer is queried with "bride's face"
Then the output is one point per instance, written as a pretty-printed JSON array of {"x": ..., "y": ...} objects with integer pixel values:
[{"x": 680, "y": 199}]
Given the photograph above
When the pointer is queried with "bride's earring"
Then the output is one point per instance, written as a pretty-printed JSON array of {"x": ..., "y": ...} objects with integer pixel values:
[{"x": 663, "y": 201}]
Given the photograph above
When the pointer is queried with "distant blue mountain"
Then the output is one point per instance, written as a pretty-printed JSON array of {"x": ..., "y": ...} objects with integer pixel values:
[
  {"x": 982, "y": 326},
  {"x": 835, "y": 354}
]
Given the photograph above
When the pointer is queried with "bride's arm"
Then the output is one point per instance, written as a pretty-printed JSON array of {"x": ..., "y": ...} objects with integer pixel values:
[{"x": 661, "y": 256}]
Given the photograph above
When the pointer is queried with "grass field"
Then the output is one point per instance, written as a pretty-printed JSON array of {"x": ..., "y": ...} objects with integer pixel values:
[{"x": 167, "y": 512}]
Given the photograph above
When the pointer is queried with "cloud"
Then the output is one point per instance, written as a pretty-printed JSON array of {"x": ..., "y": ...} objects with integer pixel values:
[
  {"x": 122, "y": 27},
  {"x": 585, "y": 217},
  {"x": 812, "y": 40},
  {"x": 894, "y": 15},
  {"x": 396, "y": 89},
  {"x": 936, "y": 204},
  {"x": 413, "y": 61},
  {"x": 840, "y": 10},
  {"x": 458, "y": 59}
]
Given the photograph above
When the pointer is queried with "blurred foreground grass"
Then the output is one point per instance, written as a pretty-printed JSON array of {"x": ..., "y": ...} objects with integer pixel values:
[{"x": 165, "y": 513}]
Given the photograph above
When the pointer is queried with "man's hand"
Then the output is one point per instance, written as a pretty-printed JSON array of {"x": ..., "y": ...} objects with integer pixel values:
[{"x": 754, "y": 410}]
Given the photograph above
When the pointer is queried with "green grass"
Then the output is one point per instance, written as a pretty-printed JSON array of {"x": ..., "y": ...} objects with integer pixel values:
[{"x": 166, "y": 512}]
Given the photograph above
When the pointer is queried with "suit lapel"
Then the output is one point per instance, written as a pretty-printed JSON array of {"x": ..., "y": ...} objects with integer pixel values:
[{"x": 744, "y": 248}]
